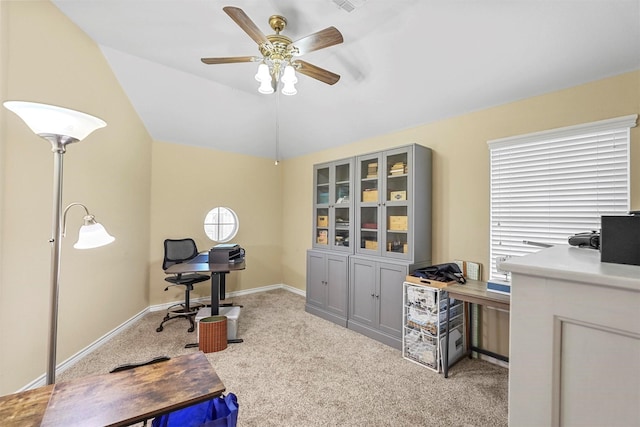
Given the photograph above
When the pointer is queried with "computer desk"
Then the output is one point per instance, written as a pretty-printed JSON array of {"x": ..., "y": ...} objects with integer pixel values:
[
  {"x": 200, "y": 264},
  {"x": 115, "y": 399},
  {"x": 473, "y": 292}
]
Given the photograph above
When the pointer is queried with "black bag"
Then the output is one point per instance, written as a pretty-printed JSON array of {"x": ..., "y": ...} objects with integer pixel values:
[{"x": 441, "y": 273}]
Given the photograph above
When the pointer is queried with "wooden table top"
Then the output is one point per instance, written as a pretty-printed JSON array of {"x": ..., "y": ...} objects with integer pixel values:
[
  {"x": 25, "y": 409},
  {"x": 475, "y": 291},
  {"x": 116, "y": 399}
]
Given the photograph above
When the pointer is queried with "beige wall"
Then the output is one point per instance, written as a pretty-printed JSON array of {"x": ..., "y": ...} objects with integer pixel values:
[
  {"x": 45, "y": 58},
  {"x": 190, "y": 181}
]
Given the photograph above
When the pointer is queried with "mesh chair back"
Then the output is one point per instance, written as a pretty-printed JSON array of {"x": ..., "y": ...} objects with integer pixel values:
[{"x": 177, "y": 251}]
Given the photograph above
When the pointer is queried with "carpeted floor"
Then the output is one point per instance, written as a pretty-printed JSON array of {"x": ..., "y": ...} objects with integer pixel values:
[{"x": 295, "y": 369}]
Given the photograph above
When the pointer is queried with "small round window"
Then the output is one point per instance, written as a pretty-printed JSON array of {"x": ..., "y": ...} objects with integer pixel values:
[{"x": 221, "y": 224}]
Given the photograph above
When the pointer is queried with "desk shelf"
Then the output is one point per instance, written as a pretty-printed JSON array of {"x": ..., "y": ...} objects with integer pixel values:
[{"x": 425, "y": 323}]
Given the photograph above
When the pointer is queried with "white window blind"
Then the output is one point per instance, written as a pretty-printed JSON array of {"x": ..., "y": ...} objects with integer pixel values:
[{"x": 550, "y": 185}]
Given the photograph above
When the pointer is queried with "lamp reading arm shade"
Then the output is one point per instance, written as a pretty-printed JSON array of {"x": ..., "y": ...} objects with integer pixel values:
[{"x": 92, "y": 235}]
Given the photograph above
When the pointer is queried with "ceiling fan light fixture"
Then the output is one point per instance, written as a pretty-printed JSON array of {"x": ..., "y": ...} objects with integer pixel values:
[
  {"x": 265, "y": 87},
  {"x": 263, "y": 73},
  {"x": 289, "y": 89},
  {"x": 289, "y": 75}
]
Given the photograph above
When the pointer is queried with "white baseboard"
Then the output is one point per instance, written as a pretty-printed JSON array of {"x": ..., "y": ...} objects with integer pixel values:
[
  {"x": 164, "y": 306},
  {"x": 40, "y": 381}
]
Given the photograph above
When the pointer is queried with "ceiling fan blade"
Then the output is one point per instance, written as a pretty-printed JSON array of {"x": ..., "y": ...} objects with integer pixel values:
[
  {"x": 244, "y": 22},
  {"x": 230, "y": 60},
  {"x": 324, "y": 38},
  {"x": 317, "y": 73}
]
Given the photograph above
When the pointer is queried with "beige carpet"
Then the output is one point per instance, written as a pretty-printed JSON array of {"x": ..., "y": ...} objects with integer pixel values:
[{"x": 295, "y": 369}]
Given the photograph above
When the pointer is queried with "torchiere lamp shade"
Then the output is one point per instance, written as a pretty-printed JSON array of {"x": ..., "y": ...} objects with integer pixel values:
[{"x": 44, "y": 119}]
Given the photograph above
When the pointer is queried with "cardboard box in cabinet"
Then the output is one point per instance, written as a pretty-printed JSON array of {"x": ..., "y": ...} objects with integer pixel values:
[
  {"x": 370, "y": 196},
  {"x": 370, "y": 244},
  {"x": 398, "y": 195},
  {"x": 372, "y": 170},
  {"x": 323, "y": 221},
  {"x": 398, "y": 223}
]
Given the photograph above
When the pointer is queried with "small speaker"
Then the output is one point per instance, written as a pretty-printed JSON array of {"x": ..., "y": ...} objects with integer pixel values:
[{"x": 620, "y": 239}]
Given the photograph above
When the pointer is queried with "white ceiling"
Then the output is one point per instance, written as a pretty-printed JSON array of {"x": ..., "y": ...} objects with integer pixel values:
[{"x": 403, "y": 63}]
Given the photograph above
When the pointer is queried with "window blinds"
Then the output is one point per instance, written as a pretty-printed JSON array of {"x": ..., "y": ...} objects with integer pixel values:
[{"x": 550, "y": 185}]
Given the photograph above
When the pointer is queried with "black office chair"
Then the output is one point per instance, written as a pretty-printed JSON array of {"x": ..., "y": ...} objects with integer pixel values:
[{"x": 176, "y": 252}]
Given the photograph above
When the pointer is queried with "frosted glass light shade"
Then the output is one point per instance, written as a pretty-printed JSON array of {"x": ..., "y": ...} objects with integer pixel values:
[
  {"x": 265, "y": 87},
  {"x": 289, "y": 75},
  {"x": 93, "y": 235},
  {"x": 50, "y": 119},
  {"x": 289, "y": 89},
  {"x": 263, "y": 73}
]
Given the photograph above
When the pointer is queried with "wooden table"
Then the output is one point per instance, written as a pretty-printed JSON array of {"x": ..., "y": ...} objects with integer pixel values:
[
  {"x": 200, "y": 264},
  {"x": 473, "y": 292},
  {"x": 26, "y": 408},
  {"x": 116, "y": 399}
]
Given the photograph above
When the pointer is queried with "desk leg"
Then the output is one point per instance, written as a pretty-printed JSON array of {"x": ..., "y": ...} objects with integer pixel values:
[
  {"x": 223, "y": 287},
  {"x": 445, "y": 361},
  {"x": 216, "y": 279},
  {"x": 471, "y": 333},
  {"x": 473, "y": 348}
]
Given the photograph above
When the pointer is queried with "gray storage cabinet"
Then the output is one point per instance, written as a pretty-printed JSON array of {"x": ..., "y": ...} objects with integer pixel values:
[
  {"x": 327, "y": 285},
  {"x": 375, "y": 299},
  {"x": 371, "y": 228}
]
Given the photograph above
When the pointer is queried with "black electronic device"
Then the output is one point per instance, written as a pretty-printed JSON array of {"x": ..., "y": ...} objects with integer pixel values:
[
  {"x": 620, "y": 239},
  {"x": 225, "y": 253},
  {"x": 588, "y": 239}
]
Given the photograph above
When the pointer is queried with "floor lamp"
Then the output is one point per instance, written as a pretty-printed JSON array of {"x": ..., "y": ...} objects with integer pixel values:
[{"x": 61, "y": 127}]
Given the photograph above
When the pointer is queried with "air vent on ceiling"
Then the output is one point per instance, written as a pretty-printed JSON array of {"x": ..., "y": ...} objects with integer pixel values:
[{"x": 349, "y": 5}]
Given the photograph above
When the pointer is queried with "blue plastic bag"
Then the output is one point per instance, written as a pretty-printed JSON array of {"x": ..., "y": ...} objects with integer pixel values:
[{"x": 217, "y": 412}]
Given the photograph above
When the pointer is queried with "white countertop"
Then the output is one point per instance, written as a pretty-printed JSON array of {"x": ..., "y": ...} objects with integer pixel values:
[{"x": 576, "y": 264}]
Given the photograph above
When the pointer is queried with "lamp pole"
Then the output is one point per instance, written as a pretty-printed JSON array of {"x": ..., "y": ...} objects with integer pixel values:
[{"x": 58, "y": 146}]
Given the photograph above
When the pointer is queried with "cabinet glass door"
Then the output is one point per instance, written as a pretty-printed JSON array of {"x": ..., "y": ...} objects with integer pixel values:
[
  {"x": 369, "y": 188},
  {"x": 396, "y": 199},
  {"x": 321, "y": 210},
  {"x": 333, "y": 205},
  {"x": 342, "y": 205}
]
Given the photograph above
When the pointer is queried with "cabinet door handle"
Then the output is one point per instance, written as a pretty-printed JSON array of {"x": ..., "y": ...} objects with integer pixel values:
[
  {"x": 373, "y": 295},
  {"x": 377, "y": 296}
]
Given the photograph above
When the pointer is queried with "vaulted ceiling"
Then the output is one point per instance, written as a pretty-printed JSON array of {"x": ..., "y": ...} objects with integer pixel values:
[{"x": 403, "y": 63}]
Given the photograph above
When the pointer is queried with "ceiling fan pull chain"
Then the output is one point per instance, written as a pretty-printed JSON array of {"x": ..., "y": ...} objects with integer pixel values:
[{"x": 277, "y": 127}]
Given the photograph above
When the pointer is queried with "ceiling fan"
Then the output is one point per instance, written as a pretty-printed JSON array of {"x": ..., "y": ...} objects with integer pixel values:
[{"x": 279, "y": 59}]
